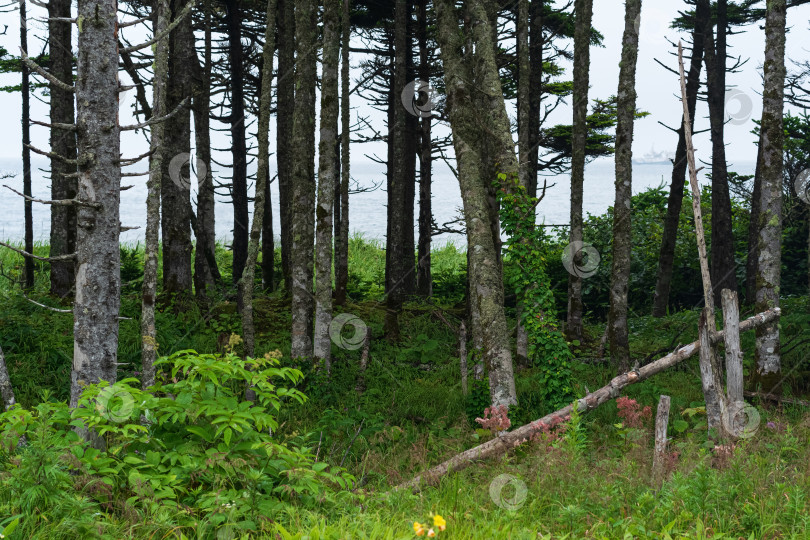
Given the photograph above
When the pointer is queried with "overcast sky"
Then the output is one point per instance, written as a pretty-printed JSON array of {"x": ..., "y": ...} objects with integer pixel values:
[{"x": 656, "y": 87}]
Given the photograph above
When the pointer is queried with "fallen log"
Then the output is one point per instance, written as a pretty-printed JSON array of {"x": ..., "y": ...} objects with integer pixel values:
[{"x": 512, "y": 439}]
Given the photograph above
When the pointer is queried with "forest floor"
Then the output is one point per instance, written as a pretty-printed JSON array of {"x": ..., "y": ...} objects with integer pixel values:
[{"x": 593, "y": 481}]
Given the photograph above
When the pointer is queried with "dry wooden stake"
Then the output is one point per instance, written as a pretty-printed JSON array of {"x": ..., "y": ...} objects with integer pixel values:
[{"x": 661, "y": 423}]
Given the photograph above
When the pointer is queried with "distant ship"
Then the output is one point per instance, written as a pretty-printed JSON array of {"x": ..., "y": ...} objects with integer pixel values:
[{"x": 655, "y": 158}]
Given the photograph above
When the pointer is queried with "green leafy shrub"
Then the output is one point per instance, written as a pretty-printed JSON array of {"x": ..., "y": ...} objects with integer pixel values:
[{"x": 189, "y": 449}]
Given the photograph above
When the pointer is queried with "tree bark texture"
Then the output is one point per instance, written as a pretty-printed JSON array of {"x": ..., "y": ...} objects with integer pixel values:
[
  {"x": 753, "y": 230},
  {"x": 424, "y": 279},
  {"x": 262, "y": 174},
  {"x": 285, "y": 103},
  {"x": 152, "y": 234},
  {"x": 342, "y": 232},
  {"x": 327, "y": 176},
  {"x": 626, "y": 108},
  {"x": 241, "y": 218},
  {"x": 661, "y": 423},
  {"x": 486, "y": 281},
  {"x": 206, "y": 272},
  {"x": 63, "y": 143},
  {"x": 25, "y": 88},
  {"x": 583, "y": 11},
  {"x": 176, "y": 179},
  {"x": 303, "y": 178},
  {"x": 722, "y": 240},
  {"x": 769, "y": 264},
  {"x": 98, "y": 283},
  {"x": 6, "y": 390},
  {"x": 398, "y": 251}
]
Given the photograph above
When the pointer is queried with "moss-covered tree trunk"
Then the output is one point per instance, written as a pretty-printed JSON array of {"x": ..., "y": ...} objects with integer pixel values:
[
  {"x": 769, "y": 265},
  {"x": 303, "y": 178},
  {"x": 469, "y": 128},
  {"x": 666, "y": 257},
  {"x": 98, "y": 282},
  {"x": 63, "y": 143},
  {"x": 153, "y": 185},
  {"x": 583, "y": 11},
  {"x": 327, "y": 177},
  {"x": 626, "y": 108}
]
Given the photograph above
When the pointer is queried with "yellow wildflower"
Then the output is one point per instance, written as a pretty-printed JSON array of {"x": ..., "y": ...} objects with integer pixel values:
[
  {"x": 431, "y": 533},
  {"x": 438, "y": 521},
  {"x": 418, "y": 528}
]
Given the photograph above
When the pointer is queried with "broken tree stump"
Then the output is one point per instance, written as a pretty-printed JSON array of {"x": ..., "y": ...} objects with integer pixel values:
[
  {"x": 659, "y": 457},
  {"x": 734, "y": 354}
]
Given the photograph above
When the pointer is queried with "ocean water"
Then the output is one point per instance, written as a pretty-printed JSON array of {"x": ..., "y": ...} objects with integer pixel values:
[{"x": 367, "y": 210}]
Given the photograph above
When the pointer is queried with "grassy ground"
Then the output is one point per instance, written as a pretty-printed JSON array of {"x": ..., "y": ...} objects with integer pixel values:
[{"x": 591, "y": 482}]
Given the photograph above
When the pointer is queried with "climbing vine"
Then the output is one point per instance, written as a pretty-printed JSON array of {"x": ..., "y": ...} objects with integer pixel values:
[{"x": 524, "y": 254}]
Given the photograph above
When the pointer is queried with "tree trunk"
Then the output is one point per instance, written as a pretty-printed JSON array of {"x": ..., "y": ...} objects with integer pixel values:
[
  {"x": 63, "y": 143},
  {"x": 176, "y": 180},
  {"x": 285, "y": 103},
  {"x": 25, "y": 88},
  {"x": 6, "y": 390},
  {"x": 327, "y": 174},
  {"x": 769, "y": 265},
  {"x": 424, "y": 279},
  {"x": 395, "y": 243},
  {"x": 583, "y": 10},
  {"x": 342, "y": 233},
  {"x": 666, "y": 257},
  {"x": 626, "y": 108},
  {"x": 268, "y": 241},
  {"x": 303, "y": 186},
  {"x": 241, "y": 217},
  {"x": 722, "y": 241},
  {"x": 535, "y": 89},
  {"x": 98, "y": 281},
  {"x": 486, "y": 281},
  {"x": 753, "y": 230},
  {"x": 153, "y": 185},
  {"x": 205, "y": 273},
  {"x": 524, "y": 165},
  {"x": 262, "y": 173}
]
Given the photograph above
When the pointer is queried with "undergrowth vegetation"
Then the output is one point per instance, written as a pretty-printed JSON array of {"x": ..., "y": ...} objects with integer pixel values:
[{"x": 315, "y": 458}]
